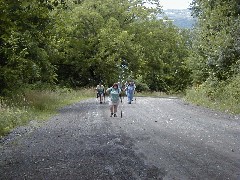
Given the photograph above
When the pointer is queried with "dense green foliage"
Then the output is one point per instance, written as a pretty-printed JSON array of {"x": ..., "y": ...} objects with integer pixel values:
[
  {"x": 79, "y": 43},
  {"x": 216, "y": 53},
  {"x": 25, "y": 43},
  {"x": 215, "y": 57}
]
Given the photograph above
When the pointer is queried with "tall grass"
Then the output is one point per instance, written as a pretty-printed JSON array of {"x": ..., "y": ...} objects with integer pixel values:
[
  {"x": 223, "y": 96},
  {"x": 36, "y": 105}
]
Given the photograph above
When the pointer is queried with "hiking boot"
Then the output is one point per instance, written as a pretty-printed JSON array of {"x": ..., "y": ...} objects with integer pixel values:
[{"x": 115, "y": 115}]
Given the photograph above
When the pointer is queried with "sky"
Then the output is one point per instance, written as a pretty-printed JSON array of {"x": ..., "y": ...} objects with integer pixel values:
[{"x": 175, "y": 4}]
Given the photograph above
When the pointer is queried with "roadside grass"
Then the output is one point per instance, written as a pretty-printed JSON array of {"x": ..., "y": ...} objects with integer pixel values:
[
  {"x": 223, "y": 96},
  {"x": 157, "y": 94},
  {"x": 36, "y": 105}
]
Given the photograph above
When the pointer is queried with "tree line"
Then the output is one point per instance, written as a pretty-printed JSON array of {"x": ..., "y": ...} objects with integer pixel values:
[
  {"x": 215, "y": 51},
  {"x": 78, "y": 43}
]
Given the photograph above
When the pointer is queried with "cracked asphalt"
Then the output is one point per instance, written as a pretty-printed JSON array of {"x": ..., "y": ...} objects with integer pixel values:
[{"x": 157, "y": 138}]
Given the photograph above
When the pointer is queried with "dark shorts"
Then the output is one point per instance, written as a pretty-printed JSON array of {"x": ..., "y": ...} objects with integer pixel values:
[{"x": 100, "y": 94}]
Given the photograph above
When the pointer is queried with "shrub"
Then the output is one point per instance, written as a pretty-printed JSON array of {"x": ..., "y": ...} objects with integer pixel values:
[
  {"x": 141, "y": 87},
  {"x": 222, "y": 95}
]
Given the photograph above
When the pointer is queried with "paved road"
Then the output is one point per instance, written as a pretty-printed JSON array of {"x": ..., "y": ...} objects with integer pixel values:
[{"x": 157, "y": 138}]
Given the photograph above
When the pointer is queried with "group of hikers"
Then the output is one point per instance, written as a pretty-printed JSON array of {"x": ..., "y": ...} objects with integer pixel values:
[{"x": 116, "y": 92}]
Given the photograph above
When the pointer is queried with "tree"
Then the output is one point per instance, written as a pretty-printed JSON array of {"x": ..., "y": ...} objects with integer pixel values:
[
  {"x": 97, "y": 44},
  {"x": 216, "y": 52},
  {"x": 24, "y": 42},
  {"x": 79, "y": 43},
  {"x": 165, "y": 52}
]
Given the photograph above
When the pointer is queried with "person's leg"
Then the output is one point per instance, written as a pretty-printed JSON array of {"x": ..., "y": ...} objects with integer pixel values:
[
  {"x": 111, "y": 110},
  {"x": 131, "y": 97},
  {"x": 115, "y": 110},
  {"x": 101, "y": 97},
  {"x": 128, "y": 97}
]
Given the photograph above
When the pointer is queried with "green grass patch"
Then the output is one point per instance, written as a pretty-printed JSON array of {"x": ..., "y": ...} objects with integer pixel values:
[
  {"x": 36, "y": 105},
  {"x": 223, "y": 96}
]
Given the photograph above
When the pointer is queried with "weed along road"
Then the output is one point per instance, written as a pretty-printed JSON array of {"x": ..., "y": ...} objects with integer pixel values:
[{"x": 157, "y": 138}]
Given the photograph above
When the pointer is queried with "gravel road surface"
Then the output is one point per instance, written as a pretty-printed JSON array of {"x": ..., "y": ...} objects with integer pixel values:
[{"x": 157, "y": 138}]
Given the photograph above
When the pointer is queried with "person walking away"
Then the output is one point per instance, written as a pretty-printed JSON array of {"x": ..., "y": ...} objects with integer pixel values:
[
  {"x": 100, "y": 92},
  {"x": 114, "y": 99},
  {"x": 125, "y": 86},
  {"x": 123, "y": 93},
  {"x": 130, "y": 90}
]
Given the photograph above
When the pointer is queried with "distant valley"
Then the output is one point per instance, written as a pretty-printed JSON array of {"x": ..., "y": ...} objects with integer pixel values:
[{"x": 180, "y": 17}]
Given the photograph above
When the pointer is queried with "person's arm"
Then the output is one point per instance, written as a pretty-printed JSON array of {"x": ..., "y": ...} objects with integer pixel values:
[{"x": 108, "y": 90}]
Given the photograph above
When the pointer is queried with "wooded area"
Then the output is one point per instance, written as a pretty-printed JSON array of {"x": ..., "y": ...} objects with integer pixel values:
[{"x": 77, "y": 43}]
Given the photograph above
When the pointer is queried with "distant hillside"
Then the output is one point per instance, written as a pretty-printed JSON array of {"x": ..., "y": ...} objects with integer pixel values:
[{"x": 180, "y": 17}]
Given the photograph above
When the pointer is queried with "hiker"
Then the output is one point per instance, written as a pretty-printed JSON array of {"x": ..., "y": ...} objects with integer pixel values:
[
  {"x": 125, "y": 86},
  {"x": 114, "y": 98},
  {"x": 100, "y": 92},
  {"x": 123, "y": 93},
  {"x": 130, "y": 90},
  {"x": 121, "y": 87}
]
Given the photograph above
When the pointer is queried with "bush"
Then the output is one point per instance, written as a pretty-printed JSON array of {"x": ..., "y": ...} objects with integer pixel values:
[
  {"x": 141, "y": 87},
  {"x": 230, "y": 95},
  {"x": 222, "y": 95}
]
